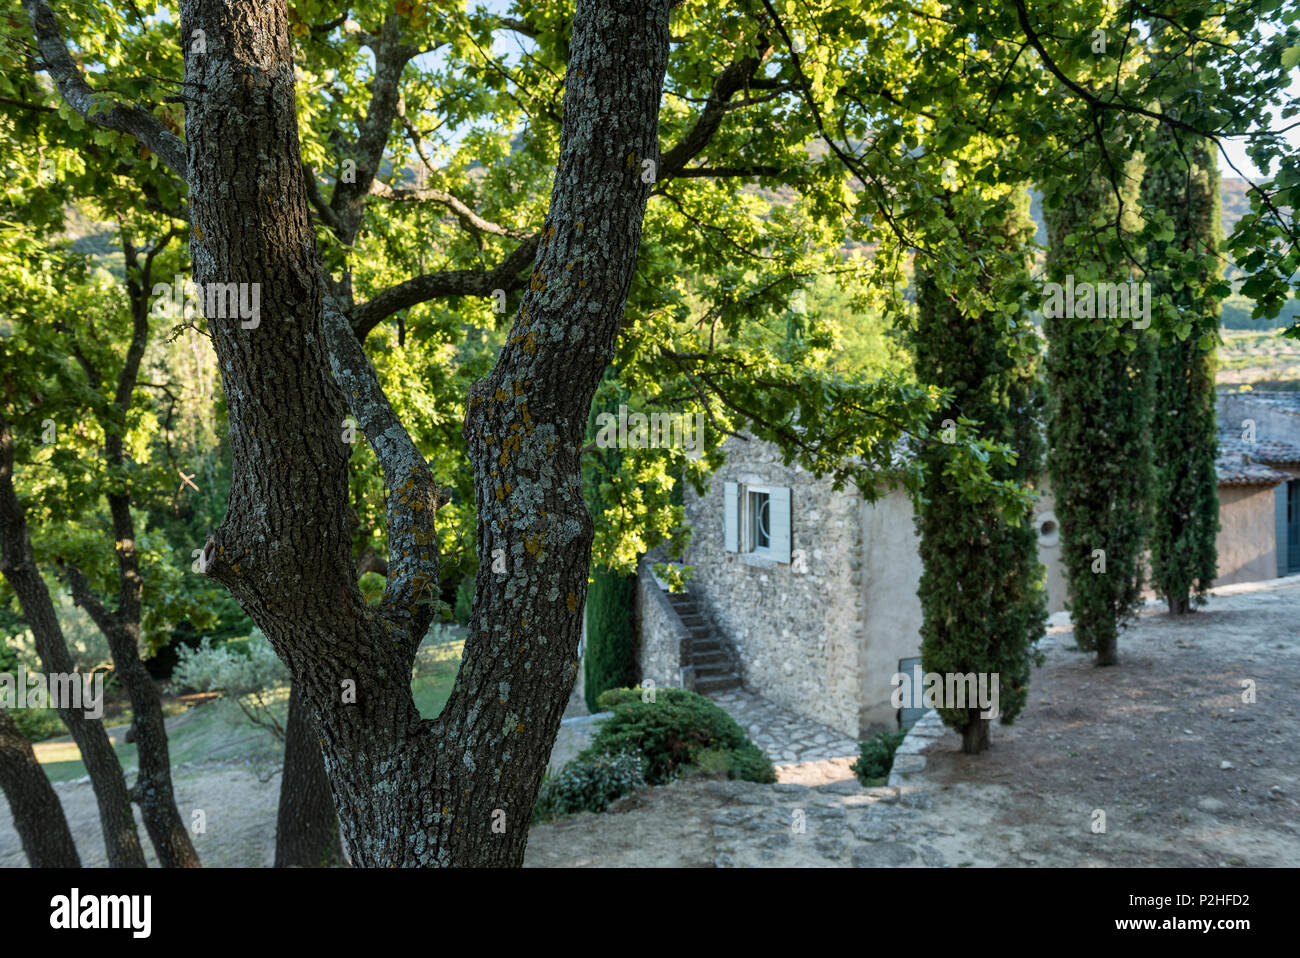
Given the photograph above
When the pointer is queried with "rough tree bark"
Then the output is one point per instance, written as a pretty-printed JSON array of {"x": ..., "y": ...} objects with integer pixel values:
[
  {"x": 37, "y": 811},
  {"x": 457, "y": 790},
  {"x": 153, "y": 789},
  {"x": 306, "y": 826},
  {"x": 19, "y": 567}
]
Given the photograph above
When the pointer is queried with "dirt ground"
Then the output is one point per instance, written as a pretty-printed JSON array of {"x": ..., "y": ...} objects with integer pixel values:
[
  {"x": 1186, "y": 773},
  {"x": 1145, "y": 742}
]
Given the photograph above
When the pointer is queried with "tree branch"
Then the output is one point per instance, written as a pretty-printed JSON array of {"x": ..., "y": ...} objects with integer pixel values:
[
  {"x": 467, "y": 216},
  {"x": 507, "y": 276},
  {"x": 412, "y": 495},
  {"x": 124, "y": 117}
]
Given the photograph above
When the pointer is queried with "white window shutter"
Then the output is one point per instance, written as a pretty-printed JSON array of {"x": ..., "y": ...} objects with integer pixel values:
[
  {"x": 731, "y": 516},
  {"x": 779, "y": 514}
]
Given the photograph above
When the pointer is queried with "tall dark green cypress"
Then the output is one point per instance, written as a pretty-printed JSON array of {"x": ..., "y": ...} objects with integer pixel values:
[
  {"x": 1182, "y": 179},
  {"x": 609, "y": 661},
  {"x": 981, "y": 591},
  {"x": 1099, "y": 410}
]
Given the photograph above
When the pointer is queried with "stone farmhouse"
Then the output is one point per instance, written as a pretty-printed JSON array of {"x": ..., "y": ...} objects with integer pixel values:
[{"x": 807, "y": 596}]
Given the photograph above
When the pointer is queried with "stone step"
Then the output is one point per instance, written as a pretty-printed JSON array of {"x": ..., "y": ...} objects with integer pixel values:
[
  {"x": 704, "y": 646},
  {"x": 707, "y": 657},
  {"x": 716, "y": 683},
  {"x": 700, "y": 631},
  {"x": 712, "y": 670},
  {"x": 693, "y": 621},
  {"x": 680, "y": 598}
]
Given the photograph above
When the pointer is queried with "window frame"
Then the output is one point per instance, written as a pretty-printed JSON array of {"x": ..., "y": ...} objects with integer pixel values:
[{"x": 749, "y": 521}]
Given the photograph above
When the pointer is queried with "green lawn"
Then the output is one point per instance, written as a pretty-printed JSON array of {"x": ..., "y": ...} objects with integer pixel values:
[{"x": 217, "y": 730}]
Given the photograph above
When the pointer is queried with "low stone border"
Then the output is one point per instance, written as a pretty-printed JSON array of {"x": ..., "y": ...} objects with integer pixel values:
[{"x": 908, "y": 760}]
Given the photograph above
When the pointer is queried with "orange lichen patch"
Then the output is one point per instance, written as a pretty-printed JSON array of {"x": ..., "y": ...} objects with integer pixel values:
[
  {"x": 500, "y": 396},
  {"x": 499, "y": 494},
  {"x": 519, "y": 727},
  {"x": 631, "y": 160},
  {"x": 537, "y": 282},
  {"x": 533, "y": 544},
  {"x": 572, "y": 602}
]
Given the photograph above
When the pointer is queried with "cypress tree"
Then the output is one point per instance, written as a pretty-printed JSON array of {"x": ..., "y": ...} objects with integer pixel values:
[
  {"x": 981, "y": 590},
  {"x": 609, "y": 661},
  {"x": 1182, "y": 180},
  {"x": 1100, "y": 398}
]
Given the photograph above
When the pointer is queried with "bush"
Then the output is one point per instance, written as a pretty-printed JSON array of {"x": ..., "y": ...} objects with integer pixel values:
[
  {"x": 671, "y": 732},
  {"x": 750, "y": 764},
  {"x": 238, "y": 667},
  {"x": 877, "y": 757},
  {"x": 34, "y": 724},
  {"x": 588, "y": 784},
  {"x": 246, "y": 671}
]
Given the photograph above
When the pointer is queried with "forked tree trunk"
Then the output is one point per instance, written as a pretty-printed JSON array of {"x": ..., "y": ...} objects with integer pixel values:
[
  {"x": 457, "y": 790},
  {"x": 306, "y": 827},
  {"x": 121, "y": 840},
  {"x": 37, "y": 811},
  {"x": 153, "y": 790}
]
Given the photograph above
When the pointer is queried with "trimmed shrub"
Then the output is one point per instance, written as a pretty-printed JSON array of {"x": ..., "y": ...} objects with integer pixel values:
[
  {"x": 588, "y": 784},
  {"x": 750, "y": 764},
  {"x": 877, "y": 757},
  {"x": 672, "y": 731}
]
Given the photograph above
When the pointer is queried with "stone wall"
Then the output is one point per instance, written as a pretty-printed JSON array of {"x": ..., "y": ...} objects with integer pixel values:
[
  {"x": 796, "y": 628},
  {"x": 663, "y": 638},
  {"x": 1049, "y": 547}
]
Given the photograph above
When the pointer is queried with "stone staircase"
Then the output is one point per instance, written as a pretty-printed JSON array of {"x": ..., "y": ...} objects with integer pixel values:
[{"x": 714, "y": 671}]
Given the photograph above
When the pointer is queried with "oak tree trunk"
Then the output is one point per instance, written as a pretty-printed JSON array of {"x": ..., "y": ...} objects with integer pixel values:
[
  {"x": 306, "y": 827},
  {"x": 37, "y": 811},
  {"x": 153, "y": 790},
  {"x": 457, "y": 790},
  {"x": 18, "y": 564}
]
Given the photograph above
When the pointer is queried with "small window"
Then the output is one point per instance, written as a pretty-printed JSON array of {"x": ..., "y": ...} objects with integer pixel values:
[
  {"x": 756, "y": 519},
  {"x": 760, "y": 516}
]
